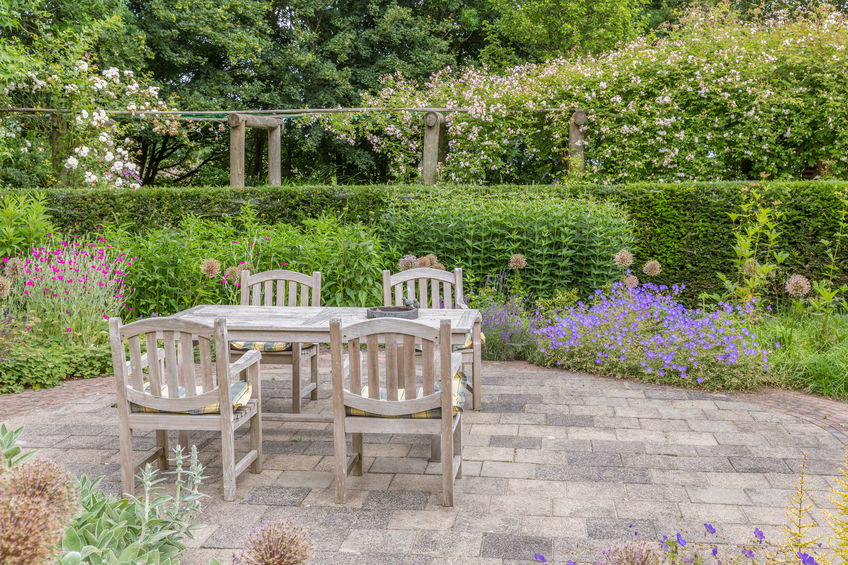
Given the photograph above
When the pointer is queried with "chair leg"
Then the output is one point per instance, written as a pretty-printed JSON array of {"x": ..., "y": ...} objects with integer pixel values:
[
  {"x": 296, "y": 382},
  {"x": 184, "y": 440},
  {"x": 356, "y": 440},
  {"x": 340, "y": 456},
  {"x": 228, "y": 461},
  {"x": 435, "y": 448},
  {"x": 457, "y": 444},
  {"x": 127, "y": 467},
  {"x": 256, "y": 440},
  {"x": 447, "y": 467},
  {"x": 313, "y": 367},
  {"x": 162, "y": 443}
]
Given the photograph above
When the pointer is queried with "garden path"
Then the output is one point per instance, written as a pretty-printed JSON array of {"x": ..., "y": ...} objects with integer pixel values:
[{"x": 556, "y": 463}]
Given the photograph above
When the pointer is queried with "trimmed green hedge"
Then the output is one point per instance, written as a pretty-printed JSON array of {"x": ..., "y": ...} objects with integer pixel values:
[{"x": 685, "y": 226}]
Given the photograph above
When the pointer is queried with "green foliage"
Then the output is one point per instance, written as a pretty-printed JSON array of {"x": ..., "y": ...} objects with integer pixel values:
[
  {"x": 547, "y": 29},
  {"x": 557, "y": 305},
  {"x": 10, "y": 454},
  {"x": 717, "y": 99},
  {"x": 39, "y": 361},
  {"x": 566, "y": 241},
  {"x": 166, "y": 275},
  {"x": 125, "y": 531},
  {"x": 24, "y": 221},
  {"x": 685, "y": 226}
]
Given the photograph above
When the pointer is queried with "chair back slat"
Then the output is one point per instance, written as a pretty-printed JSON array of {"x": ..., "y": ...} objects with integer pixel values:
[
  {"x": 207, "y": 369},
  {"x": 172, "y": 369},
  {"x": 446, "y": 292},
  {"x": 166, "y": 377},
  {"x": 154, "y": 366},
  {"x": 185, "y": 355},
  {"x": 355, "y": 366},
  {"x": 136, "y": 372},
  {"x": 269, "y": 293},
  {"x": 373, "y": 366},
  {"x": 407, "y": 370},
  {"x": 433, "y": 288},
  {"x": 428, "y": 378},
  {"x": 408, "y": 379},
  {"x": 281, "y": 288},
  {"x": 391, "y": 367}
]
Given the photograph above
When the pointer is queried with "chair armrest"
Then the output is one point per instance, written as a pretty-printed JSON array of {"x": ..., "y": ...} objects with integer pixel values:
[{"x": 249, "y": 358}]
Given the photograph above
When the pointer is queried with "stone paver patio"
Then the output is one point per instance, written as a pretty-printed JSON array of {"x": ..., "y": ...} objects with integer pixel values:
[{"x": 555, "y": 463}]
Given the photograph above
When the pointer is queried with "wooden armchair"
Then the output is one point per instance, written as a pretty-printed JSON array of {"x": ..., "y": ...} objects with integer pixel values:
[
  {"x": 283, "y": 288},
  {"x": 432, "y": 288},
  {"x": 163, "y": 389},
  {"x": 405, "y": 400}
]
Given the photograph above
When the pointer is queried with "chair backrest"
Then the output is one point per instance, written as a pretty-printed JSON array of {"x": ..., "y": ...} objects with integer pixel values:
[
  {"x": 269, "y": 288},
  {"x": 432, "y": 288},
  {"x": 390, "y": 344},
  {"x": 165, "y": 377}
]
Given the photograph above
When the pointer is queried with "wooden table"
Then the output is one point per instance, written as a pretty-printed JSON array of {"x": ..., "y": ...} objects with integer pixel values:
[{"x": 306, "y": 324}]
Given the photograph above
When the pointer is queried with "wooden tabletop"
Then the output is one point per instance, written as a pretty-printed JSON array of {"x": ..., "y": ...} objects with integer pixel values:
[{"x": 309, "y": 323}]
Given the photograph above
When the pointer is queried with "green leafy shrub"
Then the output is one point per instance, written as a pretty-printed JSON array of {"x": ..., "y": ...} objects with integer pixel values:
[
  {"x": 40, "y": 361},
  {"x": 565, "y": 241},
  {"x": 24, "y": 221},
  {"x": 166, "y": 276},
  {"x": 124, "y": 531}
]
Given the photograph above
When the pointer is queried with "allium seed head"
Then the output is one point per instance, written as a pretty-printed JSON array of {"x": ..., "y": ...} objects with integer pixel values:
[
  {"x": 428, "y": 260},
  {"x": 277, "y": 543},
  {"x": 46, "y": 480},
  {"x": 407, "y": 262},
  {"x": 15, "y": 267},
  {"x": 517, "y": 262},
  {"x": 652, "y": 268},
  {"x": 30, "y": 531},
  {"x": 233, "y": 273},
  {"x": 211, "y": 268},
  {"x": 797, "y": 286},
  {"x": 623, "y": 258},
  {"x": 438, "y": 267},
  {"x": 5, "y": 287},
  {"x": 631, "y": 281}
]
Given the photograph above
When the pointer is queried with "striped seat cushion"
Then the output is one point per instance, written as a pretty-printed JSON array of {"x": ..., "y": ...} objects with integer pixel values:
[
  {"x": 458, "y": 394},
  {"x": 240, "y": 392},
  {"x": 266, "y": 346}
]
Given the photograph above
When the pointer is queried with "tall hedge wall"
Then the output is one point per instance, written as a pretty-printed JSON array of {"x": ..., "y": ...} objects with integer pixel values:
[{"x": 685, "y": 226}]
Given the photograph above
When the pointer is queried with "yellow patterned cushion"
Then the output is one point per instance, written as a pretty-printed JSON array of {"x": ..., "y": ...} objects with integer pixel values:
[
  {"x": 458, "y": 400},
  {"x": 240, "y": 392},
  {"x": 468, "y": 342},
  {"x": 269, "y": 346}
]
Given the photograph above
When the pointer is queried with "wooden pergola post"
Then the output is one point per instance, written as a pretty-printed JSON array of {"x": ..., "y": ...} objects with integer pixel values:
[
  {"x": 238, "y": 124},
  {"x": 576, "y": 157},
  {"x": 435, "y": 146}
]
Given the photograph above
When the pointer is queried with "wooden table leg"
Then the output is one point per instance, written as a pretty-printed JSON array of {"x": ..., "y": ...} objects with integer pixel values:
[{"x": 477, "y": 364}]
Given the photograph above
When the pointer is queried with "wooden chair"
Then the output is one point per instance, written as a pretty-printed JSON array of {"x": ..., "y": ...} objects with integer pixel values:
[
  {"x": 405, "y": 401},
  {"x": 432, "y": 288},
  {"x": 280, "y": 288},
  {"x": 164, "y": 389}
]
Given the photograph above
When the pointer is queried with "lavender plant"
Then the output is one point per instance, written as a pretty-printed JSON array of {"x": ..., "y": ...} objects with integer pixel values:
[{"x": 644, "y": 332}]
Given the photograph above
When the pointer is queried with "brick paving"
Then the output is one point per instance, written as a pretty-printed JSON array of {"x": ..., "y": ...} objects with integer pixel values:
[{"x": 556, "y": 463}]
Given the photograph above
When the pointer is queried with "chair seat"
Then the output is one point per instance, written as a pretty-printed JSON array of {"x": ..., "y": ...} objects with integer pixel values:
[
  {"x": 458, "y": 400},
  {"x": 266, "y": 346},
  {"x": 240, "y": 393}
]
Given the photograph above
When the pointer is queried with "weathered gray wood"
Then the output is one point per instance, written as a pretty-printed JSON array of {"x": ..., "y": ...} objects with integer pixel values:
[
  {"x": 253, "y": 121},
  {"x": 280, "y": 287},
  {"x": 434, "y": 148},
  {"x": 237, "y": 135},
  {"x": 398, "y": 337},
  {"x": 174, "y": 364},
  {"x": 576, "y": 158},
  {"x": 275, "y": 176}
]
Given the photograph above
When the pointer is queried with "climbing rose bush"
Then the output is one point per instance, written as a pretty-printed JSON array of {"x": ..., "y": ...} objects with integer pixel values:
[
  {"x": 645, "y": 332},
  {"x": 717, "y": 99}
]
